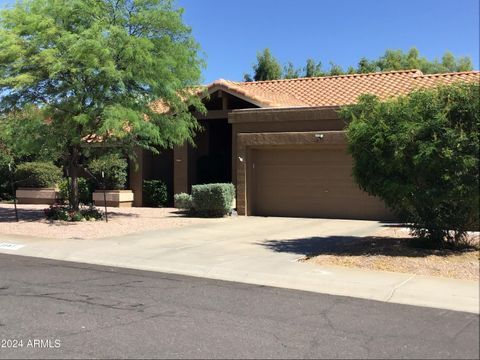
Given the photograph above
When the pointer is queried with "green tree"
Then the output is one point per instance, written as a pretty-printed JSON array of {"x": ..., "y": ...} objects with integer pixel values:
[
  {"x": 77, "y": 68},
  {"x": 290, "y": 71},
  {"x": 398, "y": 60},
  {"x": 313, "y": 69},
  {"x": 366, "y": 66},
  {"x": 266, "y": 68},
  {"x": 247, "y": 77},
  {"x": 335, "y": 69},
  {"x": 389, "y": 61},
  {"x": 420, "y": 154}
]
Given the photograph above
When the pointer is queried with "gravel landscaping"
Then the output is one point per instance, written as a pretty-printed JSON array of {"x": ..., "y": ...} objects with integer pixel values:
[
  {"x": 121, "y": 221},
  {"x": 389, "y": 250}
]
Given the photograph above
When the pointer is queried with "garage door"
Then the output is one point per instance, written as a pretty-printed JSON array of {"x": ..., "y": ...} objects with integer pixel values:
[{"x": 309, "y": 182}]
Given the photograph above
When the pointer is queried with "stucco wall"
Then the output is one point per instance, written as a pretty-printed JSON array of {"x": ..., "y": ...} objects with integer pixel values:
[{"x": 280, "y": 120}]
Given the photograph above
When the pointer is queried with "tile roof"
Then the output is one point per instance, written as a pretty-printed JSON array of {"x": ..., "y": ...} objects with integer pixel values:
[
  {"x": 323, "y": 91},
  {"x": 337, "y": 90}
]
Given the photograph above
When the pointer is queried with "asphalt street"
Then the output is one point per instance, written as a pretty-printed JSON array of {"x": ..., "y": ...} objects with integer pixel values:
[{"x": 53, "y": 309}]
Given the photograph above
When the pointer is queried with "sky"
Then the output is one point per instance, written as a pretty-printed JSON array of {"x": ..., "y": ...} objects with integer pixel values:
[{"x": 231, "y": 32}]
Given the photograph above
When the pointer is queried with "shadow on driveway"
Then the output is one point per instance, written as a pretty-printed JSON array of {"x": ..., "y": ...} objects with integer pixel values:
[{"x": 353, "y": 246}]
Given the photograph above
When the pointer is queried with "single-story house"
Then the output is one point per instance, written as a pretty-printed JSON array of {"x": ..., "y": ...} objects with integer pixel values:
[{"x": 282, "y": 144}]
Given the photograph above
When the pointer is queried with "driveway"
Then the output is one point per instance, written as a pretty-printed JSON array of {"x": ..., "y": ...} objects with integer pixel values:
[{"x": 257, "y": 250}]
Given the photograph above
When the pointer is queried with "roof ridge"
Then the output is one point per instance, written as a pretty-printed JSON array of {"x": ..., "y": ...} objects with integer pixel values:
[
  {"x": 263, "y": 97},
  {"x": 452, "y": 73},
  {"x": 417, "y": 71}
]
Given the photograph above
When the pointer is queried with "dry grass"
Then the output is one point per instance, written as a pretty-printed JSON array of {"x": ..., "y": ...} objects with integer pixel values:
[
  {"x": 389, "y": 250},
  {"x": 122, "y": 221}
]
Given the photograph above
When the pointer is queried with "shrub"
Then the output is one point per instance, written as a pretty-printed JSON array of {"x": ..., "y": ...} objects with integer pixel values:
[
  {"x": 155, "y": 193},
  {"x": 56, "y": 212},
  {"x": 419, "y": 153},
  {"x": 183, "y": 201},
  {"x": 38, "y": 175},
  {"x": 213, "y": 199},
  {"x": 65, "y": 213},
  {"x": 91, "y": 213},
  {"x": 84, "y": 191},
  {"x": 114, "y": 168},
  {"x": 5, "y": 186}
]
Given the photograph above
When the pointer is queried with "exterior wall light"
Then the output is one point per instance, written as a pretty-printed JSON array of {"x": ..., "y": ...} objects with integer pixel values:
[{"x": 319, "y": 136}]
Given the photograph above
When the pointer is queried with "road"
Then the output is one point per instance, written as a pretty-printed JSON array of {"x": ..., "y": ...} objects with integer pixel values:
[{"x": 70, "y": 310}]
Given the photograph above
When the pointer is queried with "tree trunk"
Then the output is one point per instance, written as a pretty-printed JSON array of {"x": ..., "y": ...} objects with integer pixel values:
[{"x": 74, "y": 198}]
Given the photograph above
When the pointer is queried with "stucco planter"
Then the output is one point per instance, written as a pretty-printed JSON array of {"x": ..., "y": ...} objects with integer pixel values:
[
  {"x": 115, "y": 198},
  {"x": 48, "y": 196}
]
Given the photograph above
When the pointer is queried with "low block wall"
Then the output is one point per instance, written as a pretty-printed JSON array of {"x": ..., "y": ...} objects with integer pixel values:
[
  {"x": 114, "y": 198},
  {"x": 47, "y": 196}
]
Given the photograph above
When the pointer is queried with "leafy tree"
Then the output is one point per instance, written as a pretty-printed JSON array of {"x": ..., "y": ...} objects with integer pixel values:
[
  {"x": 247, "y": 77},
  {"x": 366, "y": 66},
  {"x": 420, "y": 154},
  {"x": 290, "y": 71},
  {"x": 5, "y": 188},
  {"x": 351, "y": 70},
  {"x": 266, "y": 68},
  {"x": 313, "y": 69},
  {"x": 78, "y": 68},
  {"x": 113, "y": 167},
  {"x": 389, "y": 61},
  {"x": 335, "y": 69},
  {"x": 398, "y": 60}
]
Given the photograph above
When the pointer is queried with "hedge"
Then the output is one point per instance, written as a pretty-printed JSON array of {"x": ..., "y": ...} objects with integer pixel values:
[
  {"x": 183, "y": 201},
  {"x": 38, "y": 174},
  {"x": 155, "y": 193},
  {"x": 213, "y": 199}
]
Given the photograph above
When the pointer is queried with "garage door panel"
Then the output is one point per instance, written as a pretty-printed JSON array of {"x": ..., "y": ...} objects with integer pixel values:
[{"x": 310, "y": 182}]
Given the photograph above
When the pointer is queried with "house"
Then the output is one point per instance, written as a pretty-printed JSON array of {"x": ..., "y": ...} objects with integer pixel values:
[{"x": 282, "y": 144}]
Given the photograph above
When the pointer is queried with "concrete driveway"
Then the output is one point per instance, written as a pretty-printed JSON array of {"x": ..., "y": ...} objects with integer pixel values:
[{"x": 257, "y": 250}]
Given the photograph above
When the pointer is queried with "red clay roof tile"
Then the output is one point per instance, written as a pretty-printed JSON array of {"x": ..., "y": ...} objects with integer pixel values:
[{"x": 337, "y": 90}]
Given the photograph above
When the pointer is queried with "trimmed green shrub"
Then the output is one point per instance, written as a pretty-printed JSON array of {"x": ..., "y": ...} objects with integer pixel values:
[
  {"x": 183, "y": 201},
  {"x": 420, "y": 154},
  {"x": 38, "y": 174},
  {"x": 155, "y": 193},
  {"x": 213, "y": 199},
  {"x": 115, "y": 169},
  {"x": 84, "y": 191}
]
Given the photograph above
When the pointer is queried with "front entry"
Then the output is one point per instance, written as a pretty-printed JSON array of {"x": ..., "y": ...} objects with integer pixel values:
[{"x": 215, "y": 166}]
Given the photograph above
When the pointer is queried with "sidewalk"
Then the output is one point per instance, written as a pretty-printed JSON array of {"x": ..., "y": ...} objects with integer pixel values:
[{"x": 233, "y": 251}]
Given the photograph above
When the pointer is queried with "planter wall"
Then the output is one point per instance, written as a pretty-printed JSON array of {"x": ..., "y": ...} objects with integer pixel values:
[
  {"x": 115, "y": 198},
  {"x": 47, "y": 196}
]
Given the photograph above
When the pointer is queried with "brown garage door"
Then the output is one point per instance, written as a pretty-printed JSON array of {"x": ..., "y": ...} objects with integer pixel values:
[{"x": 310, "y": 182}]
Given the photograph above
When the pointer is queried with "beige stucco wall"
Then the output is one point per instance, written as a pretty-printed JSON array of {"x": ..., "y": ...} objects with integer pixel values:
[{"x": 280, "y": 120}]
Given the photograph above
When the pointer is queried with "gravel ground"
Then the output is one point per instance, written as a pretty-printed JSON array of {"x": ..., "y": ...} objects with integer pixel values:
[
  {"x": 121, "y": 221},
  {"x": 388, "y": 251}
]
